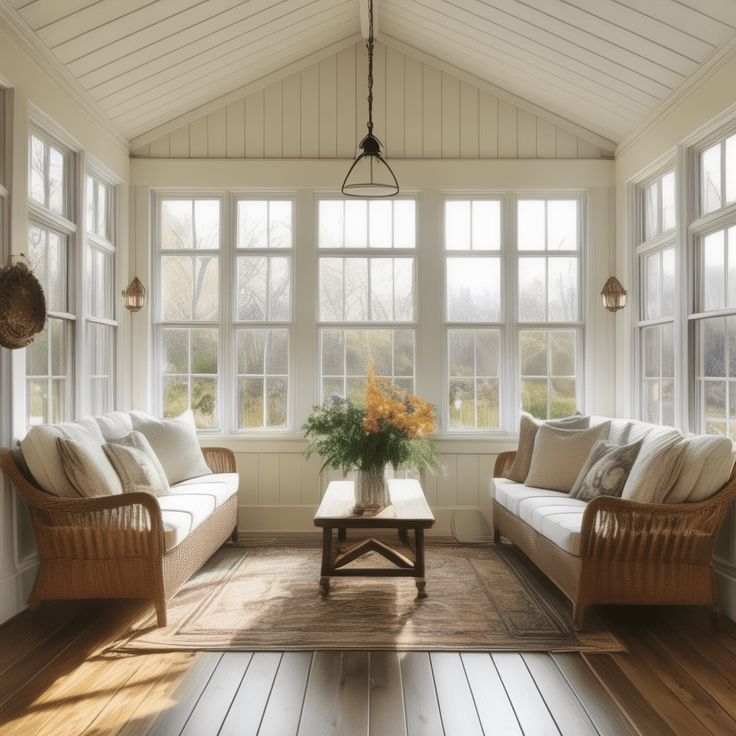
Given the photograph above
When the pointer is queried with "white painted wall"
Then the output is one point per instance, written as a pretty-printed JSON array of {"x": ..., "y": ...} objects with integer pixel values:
[
  {"x": 420, "y": 111},
  {"x": 705, "y": 104},
  {"x": 30, "y": 85},
  {"x": 279, "y": 489}
]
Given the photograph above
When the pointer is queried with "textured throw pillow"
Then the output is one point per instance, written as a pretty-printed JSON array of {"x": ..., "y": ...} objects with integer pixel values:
[
  {"x": 528, "y": 427},
  {"x": 175, "y": 443},
  {"x": 87, "y": 468},
  {"x": 659, "y": 463},
  {"x": 42, "y": 454},
  {"x": 605, "y": 471},
  {"x": 136, "y": 464},
  {"x": 559, "y": 455},
  {"x": 707, "y": 466}
]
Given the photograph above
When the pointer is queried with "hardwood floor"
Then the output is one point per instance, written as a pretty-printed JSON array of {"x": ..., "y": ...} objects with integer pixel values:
[{"x": 58, "y": 678}]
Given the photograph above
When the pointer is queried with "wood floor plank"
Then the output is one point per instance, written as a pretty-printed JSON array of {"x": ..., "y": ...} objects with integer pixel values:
[
  {"x": 319, "y": 714},
  {"x": 675, "y": 693},
  {"x": 284, "y": 708},
  {"x": 457, "y": 706},
  {"x": 214, "y": 702},
  {"x": 129, "y": 703},
  {"x": 628, "y": 696},
  {"x": 171, "y": 721},
  {"x": 562, "y": 703},
  {"x": 603, "y": 710},
  {"x": 529, "y": 705},
  {"x": 354, "y": 694},
  {"x": 387, "y": 715},
  {"x": 244, "y": 716},
  {"x": 420, "y": 699},
  {"x": 43, "y": 665},
  {"x": 491, "y": 700}
]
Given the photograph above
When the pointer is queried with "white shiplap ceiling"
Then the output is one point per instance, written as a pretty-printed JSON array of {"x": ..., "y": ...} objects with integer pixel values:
[{"x": 602, "y": 64}]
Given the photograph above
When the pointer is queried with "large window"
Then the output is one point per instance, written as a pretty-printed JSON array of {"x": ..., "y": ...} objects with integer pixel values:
[
  {"x": 655, "y": 326},
  {"x": 474, "y": 312},
  {"x": 225, "y": 310},
  {"x": 367, "y": 302},
  {"x": 549, "y": 305},
  {"x": 100, "y": 296},
  {"x": 49, "y": 360}
]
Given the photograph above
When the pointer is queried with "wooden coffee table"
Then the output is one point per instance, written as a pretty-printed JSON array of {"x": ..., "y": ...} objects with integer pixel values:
[{"x": 408, "y": 511}]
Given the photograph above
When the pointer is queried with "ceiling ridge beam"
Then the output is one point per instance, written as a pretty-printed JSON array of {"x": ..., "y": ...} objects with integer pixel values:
[
  {"x": 243, "y": 91},
  {"x": 49, "y": 63},
  {"x": 578, "y": 130},
  {"x": 363, "y": 9}
]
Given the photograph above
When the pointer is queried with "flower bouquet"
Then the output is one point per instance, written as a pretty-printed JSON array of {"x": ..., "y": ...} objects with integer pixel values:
[{"x": 392, "y": 426}]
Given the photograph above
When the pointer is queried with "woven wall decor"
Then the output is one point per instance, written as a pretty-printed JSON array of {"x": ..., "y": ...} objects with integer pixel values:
[{"x": 22, "y": 306}]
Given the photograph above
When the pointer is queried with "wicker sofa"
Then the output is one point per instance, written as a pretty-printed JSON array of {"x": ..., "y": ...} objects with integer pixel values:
[
  {"x": 130, "y": 545},
  {"x": 613, "y": 550}
]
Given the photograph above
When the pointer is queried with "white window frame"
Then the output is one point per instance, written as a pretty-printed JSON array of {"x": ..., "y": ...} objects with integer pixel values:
[
  {"x": 367, "y": 252},
  {"x": 227, "y": 322},
  {"x": 44, "y": 218},
  {"x": 664, "y": 240}
]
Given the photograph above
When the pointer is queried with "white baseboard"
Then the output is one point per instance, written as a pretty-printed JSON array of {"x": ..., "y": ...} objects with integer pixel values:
[
  {"x": 465, "y": 523},
  {"x": 14, "y": 591}
]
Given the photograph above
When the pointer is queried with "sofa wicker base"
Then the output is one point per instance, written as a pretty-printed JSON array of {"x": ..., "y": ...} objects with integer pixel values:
[
  {"x": 630, "y": 553},
  {"x": 113, "y": 546}
]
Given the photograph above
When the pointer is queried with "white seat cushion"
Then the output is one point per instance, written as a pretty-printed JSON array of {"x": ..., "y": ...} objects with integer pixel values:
[
  {"x": 230, "y": 480},
  {"x": 183, "y": 513},
  {"x": 555, "y": 515},
  {"x": 189, "y": 503}
]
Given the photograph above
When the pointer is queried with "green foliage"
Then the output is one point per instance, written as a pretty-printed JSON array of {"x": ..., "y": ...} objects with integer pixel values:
[{"x": 337, "y": 435}]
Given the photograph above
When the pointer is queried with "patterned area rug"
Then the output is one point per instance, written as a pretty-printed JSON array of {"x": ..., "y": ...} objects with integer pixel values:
[{"x": 482, "y": 598}]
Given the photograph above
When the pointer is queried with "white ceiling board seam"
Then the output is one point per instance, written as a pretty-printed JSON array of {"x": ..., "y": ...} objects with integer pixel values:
[
  {"x": 522, "y": 103},
  {"x": 45, "y": 58},
  {"x": 242, "y": 91}
]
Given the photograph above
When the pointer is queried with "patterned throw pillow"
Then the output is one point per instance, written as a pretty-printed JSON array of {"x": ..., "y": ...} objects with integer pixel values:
[
  {"x": 605, "y": 471},
  {"x": 528, "y": 427},
  {"x": 137, "y": 465}
]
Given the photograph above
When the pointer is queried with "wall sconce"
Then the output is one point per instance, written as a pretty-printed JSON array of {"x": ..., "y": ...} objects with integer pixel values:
[
  {"x": 134, "y": 297},
  {"x": 613, "y": 295}
]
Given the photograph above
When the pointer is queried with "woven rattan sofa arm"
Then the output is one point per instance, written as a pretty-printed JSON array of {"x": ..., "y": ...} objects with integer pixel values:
[
  {"x": 616, "y": 529},
  {"x": 219, "y": 459},
  {"x": 503, "y": 463}
]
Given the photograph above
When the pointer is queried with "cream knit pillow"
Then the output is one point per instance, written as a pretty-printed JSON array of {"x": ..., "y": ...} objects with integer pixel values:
[
  {"x": 528, "y": 427},
  {"x": 559, "y": 455},
  {"x": 87, "y": 468}
]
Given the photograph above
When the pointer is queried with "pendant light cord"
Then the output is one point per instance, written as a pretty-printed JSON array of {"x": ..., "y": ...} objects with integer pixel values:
[{"x": 369, "y": 45}]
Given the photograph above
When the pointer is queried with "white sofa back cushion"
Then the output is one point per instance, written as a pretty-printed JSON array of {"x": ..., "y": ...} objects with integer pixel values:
[
  {"x": 559, "y": 455},
  {"x": 175, "y": 443},
  {"x": 114, "y": 425},
  {"x": 656, "y": 468},
  {"x": 42, "y": 456},
  {"x": 707, "y": 466}
]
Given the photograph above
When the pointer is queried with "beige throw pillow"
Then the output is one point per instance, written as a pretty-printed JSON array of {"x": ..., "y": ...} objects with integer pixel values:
[
  {"x": 605, "y": 471},
  {"x": 528, "y": 427},
  {"x": 559, "y": 455},
  {"x": 656, "y": 469},
  {"x": 87, "y": 468},
  {"x": 136, "y": 464},
  {"x": 175, "y": 443}
]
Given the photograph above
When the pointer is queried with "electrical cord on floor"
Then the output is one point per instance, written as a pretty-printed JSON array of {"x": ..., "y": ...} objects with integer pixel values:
[{"x": 453, "y": 532}]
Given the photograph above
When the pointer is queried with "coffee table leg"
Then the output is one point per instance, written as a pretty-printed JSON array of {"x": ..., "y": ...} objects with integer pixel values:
[
  {"x": 342, "y": 534},
  {"x": 419, "y": 562},
  {"x": 404, "y": 536},
  {"x": 324, "y": 581}
]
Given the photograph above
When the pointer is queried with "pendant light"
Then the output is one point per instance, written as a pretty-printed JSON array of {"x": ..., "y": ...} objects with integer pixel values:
[
  {"x": 613, "y": 295},
  {"x": 370, "y": 175}
]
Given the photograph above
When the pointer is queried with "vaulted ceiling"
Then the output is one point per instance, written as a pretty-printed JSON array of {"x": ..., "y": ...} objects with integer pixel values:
[{"x": 604, "y": 65}]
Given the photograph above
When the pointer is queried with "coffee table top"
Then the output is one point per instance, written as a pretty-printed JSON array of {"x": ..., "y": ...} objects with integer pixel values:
[{"x": 408, "y": 507}]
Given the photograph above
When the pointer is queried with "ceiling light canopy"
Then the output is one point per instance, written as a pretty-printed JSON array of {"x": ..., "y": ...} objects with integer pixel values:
[{"x": 370, "y": 175}]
